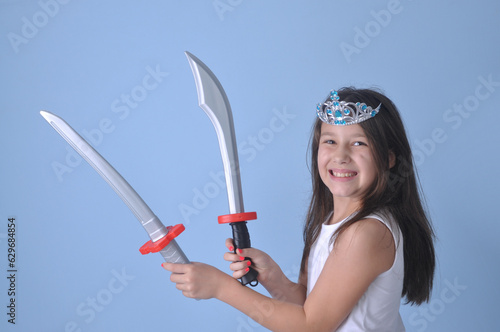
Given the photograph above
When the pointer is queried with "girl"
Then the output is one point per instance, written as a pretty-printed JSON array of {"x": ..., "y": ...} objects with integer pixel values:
[{"x": 368, "y": 241}]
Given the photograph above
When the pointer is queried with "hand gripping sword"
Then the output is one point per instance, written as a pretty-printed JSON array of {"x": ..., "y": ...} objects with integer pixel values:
[
  {"x": 213, "y": 100},
  {"x": 162, "y": 238}
]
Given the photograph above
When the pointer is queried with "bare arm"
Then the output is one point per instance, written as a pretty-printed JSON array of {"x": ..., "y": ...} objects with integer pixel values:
[
  {"x": 364, "y": 250},
  {"x": 270, "y": 274}
]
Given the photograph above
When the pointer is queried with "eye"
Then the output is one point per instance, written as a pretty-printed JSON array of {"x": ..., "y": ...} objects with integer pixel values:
[
  {"x": 329, "y": 141},
  {"x": 359, "y": 143}
]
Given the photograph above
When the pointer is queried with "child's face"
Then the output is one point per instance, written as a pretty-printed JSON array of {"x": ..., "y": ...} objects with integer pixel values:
[{"x": 345, "y": 161}]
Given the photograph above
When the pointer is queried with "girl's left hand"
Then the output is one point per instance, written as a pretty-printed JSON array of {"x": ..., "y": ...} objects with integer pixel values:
[{"x": 197, "y": 280}]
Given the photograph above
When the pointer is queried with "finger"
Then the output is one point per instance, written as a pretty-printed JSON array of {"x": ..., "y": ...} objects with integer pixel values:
[
  {"x": 246, "y": 252},
  {"x": 240, "y": 273},
  {"x": 188, "y": 294},
  {"x": 175, "y": 267},
  {"x": 187, "y": 290},
  {"x": 230, "y": 244},
  {"x": 230, "y": 257},
  {"x": 178, "y": 278},
  {"x": 239, "y": 265}
]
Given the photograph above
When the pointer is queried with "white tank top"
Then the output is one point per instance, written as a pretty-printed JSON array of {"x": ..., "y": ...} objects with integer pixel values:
[{"x": 378, "y": 308}]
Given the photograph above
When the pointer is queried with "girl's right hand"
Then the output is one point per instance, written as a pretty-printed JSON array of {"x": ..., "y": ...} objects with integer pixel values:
[{"x": 261, "y": 262}]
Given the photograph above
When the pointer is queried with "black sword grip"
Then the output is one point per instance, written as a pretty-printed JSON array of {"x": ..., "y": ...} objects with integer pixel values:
[{"x": 241, "y": 240}]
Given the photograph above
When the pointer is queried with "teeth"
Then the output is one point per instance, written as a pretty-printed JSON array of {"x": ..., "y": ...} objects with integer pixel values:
[{"x": 343, "y": 175}]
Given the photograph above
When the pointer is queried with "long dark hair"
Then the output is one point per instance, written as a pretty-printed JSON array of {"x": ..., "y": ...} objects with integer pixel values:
[{"x": 395, "y": 189}]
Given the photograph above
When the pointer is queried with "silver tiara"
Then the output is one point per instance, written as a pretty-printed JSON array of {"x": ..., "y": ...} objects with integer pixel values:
[{"x": 342, "y": 113}]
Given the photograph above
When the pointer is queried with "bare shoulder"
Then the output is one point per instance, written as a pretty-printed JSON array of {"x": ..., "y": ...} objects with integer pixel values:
[
  {"x": 370, "y": 238},
  {"x": 370, "y": 231}
]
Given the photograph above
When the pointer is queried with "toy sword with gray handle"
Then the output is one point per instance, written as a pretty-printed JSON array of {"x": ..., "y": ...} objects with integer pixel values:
[
  {"x": 213, "y": 100},
  {"x": 162, "y": 238}
]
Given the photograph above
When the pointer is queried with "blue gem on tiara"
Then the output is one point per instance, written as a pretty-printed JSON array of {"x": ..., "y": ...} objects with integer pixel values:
[{"x": 342, "y": 113}]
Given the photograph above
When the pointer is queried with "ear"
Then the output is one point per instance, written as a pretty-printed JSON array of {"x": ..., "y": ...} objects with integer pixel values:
[{"x": 392, "y": 159}]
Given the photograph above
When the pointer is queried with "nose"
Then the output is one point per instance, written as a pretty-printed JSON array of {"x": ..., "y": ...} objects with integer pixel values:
[{"x": 341, "y": 155}]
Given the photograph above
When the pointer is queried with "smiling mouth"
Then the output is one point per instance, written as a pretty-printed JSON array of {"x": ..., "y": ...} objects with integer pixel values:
[{"x": 343, "y": 175}]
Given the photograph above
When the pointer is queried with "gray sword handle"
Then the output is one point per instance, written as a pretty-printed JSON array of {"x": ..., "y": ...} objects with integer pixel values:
[{"x": 172, "y": 253}]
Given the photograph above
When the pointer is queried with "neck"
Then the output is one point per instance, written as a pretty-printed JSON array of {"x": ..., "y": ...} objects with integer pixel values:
[{"x": 343, "y": 208}]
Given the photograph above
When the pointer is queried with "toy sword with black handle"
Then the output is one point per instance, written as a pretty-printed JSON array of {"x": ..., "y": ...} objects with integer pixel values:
[
  {"x": 213, "y": 100},
  {"x": 162, "y": 238}
]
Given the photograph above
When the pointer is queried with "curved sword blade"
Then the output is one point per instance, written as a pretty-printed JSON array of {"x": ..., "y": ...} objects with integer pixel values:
[
  {"x": 153, "y": 226},
  {"x": 213, "y": 100}
]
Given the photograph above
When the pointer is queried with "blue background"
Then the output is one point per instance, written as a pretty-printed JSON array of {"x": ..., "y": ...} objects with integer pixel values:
[{"x": 76, "y": 240}]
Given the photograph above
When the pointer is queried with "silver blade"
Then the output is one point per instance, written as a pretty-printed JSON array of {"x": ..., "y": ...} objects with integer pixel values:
[
  {"x": 153, "y": 226},
  {"x": 213, "y": 100}
]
